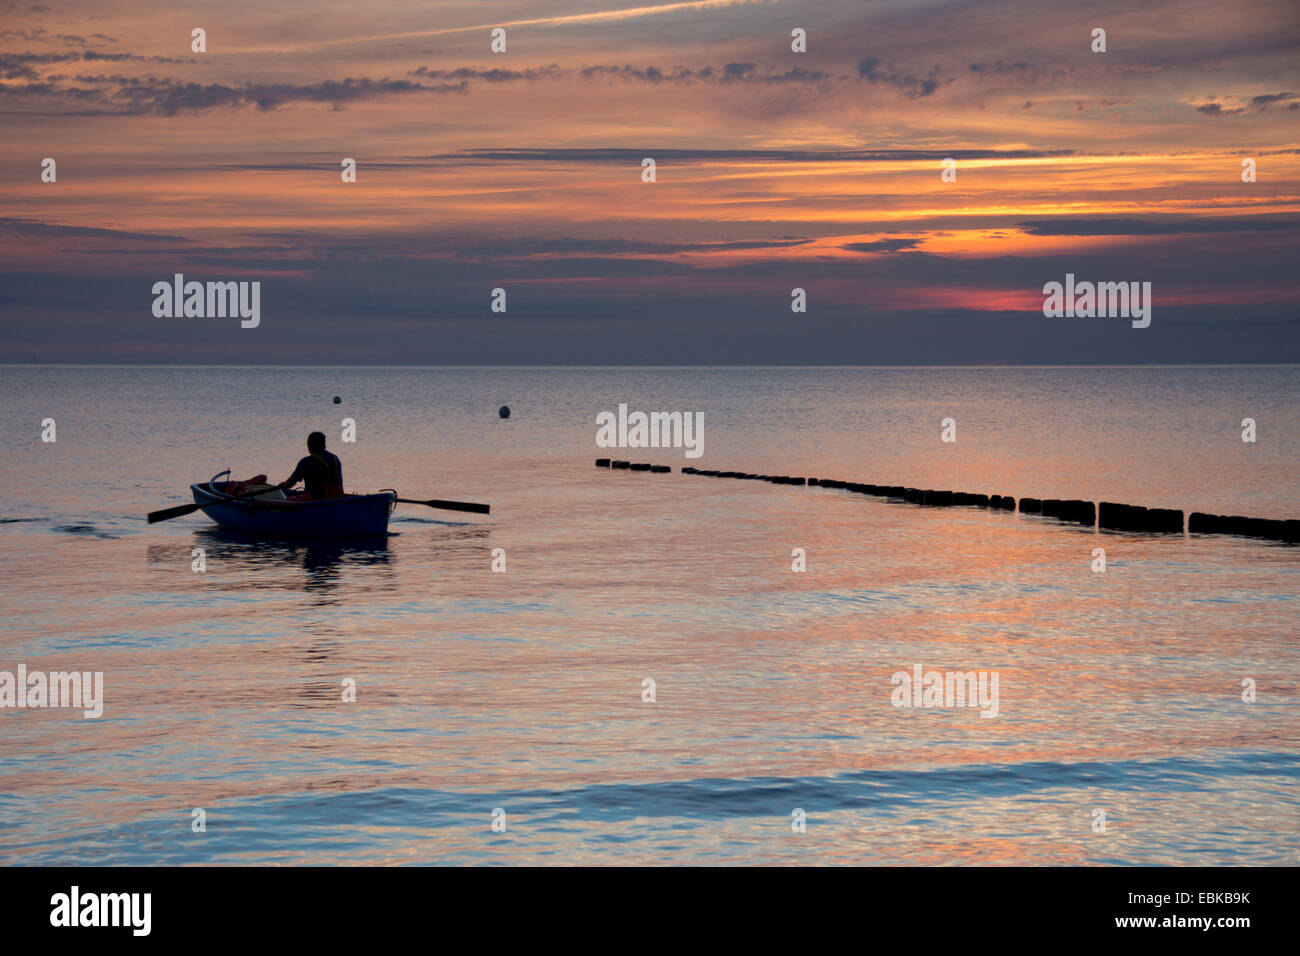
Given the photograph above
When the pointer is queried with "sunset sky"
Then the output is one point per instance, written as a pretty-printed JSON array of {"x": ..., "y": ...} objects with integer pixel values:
[{"x": 775, "y": 170}]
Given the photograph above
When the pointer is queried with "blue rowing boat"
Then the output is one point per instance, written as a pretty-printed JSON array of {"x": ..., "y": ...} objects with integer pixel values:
[{"x": 272, "y": 515}]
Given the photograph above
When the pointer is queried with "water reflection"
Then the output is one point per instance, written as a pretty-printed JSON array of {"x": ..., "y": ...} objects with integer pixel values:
[
  {"x": 250, "y": 562},
  {"x": 523, "y": 689}
]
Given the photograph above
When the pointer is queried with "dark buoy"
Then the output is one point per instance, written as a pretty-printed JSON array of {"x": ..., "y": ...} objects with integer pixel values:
[
  {"x": 504, "y": 411},
  {"x": 337, "y": 400}
]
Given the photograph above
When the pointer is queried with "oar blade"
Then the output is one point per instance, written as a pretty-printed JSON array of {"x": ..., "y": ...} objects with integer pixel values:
[
  {"x": 471, "y": 506},
  {"x": 460, "y": 506},
  {"x": 166, "y": 513}
]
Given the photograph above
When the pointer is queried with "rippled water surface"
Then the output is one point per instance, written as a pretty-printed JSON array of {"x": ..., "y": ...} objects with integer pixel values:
[{"x": 1119, "y": 691}]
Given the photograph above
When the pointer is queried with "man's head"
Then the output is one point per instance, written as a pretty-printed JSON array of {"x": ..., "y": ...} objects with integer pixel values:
[{"x": 316, "y": 442}]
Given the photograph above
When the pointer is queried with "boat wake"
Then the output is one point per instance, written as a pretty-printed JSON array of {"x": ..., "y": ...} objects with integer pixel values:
[{"x": 86, "y": 529}]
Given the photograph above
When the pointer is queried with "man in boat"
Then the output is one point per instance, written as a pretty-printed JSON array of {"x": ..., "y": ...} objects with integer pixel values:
[{"x": 321, "y": 472}]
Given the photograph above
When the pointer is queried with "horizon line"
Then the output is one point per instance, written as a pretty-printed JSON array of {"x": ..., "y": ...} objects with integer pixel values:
[{"x": 630, "y": 366}]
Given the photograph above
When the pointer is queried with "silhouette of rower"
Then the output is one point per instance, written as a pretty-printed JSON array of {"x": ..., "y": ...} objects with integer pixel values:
[{"x": 321, "y": 472}]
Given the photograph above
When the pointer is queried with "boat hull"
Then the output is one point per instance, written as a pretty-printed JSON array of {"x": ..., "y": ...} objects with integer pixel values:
[{"x": 352, "y": 516}]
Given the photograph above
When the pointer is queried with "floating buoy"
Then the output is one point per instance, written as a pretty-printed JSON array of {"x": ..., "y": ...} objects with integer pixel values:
[
  {"x": 504, "y": 411},
  {"x": 337, "y": 400}
]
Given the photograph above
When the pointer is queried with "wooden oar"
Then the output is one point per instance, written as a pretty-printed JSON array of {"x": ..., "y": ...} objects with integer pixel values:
[
  {"x": 179, "y": 510},
  {"x": 451, "y": 505}
]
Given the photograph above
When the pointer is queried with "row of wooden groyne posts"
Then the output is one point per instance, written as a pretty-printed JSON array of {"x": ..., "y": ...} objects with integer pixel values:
[{"x": 1107, "y": 515}]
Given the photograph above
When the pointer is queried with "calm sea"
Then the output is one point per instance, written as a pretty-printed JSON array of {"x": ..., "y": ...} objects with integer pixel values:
[{"x": 523, "y": 691}]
